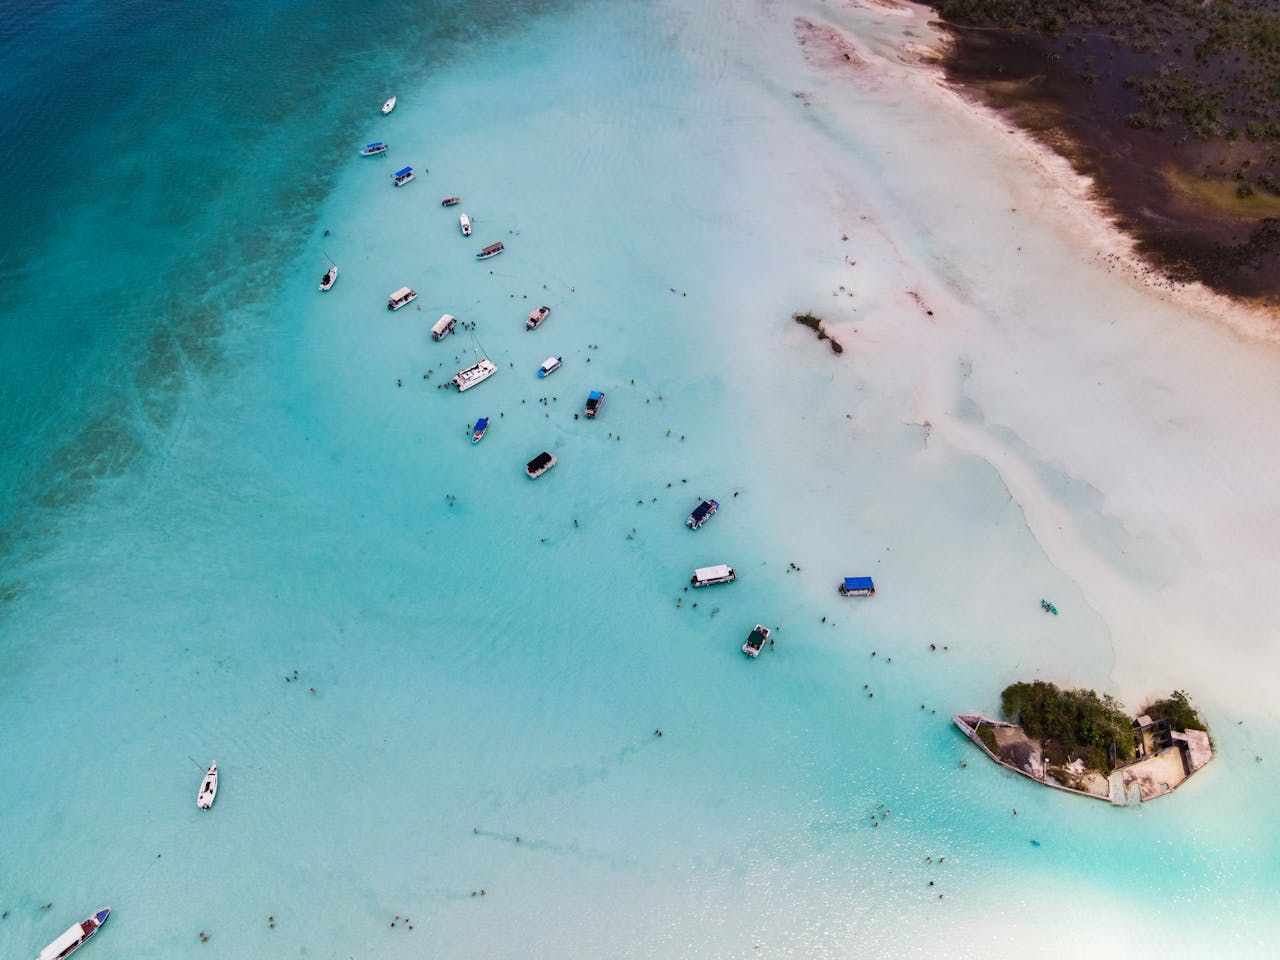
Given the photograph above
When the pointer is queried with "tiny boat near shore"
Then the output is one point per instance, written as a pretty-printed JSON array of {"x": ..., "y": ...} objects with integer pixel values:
[
  {"x": 74, "y": 937},
  {"x": 330, "y": 278},
  {"x": 709, "y": 576},
  {"x": 388, "y": 106},
  {"x": 540, "y": 465},
  {"x": 536, "y": 317},
  {"x": 465, "y": 223},
  {"x": 492, "y": 250},
  {"x": 373, "y": 149},
  {"x": 208, "y": 788},
  {"x": 756, "y": 641},
  {"x": 401, "y": 297},
  {"x": 401, "y": 177},
  {"x": 702, "y": 513},
  {"x": 450, "y": 201},
  {"x": 595, "y": 400},
  {"x": 550, "y": 366},
  {"x": 477, "y": 432}
]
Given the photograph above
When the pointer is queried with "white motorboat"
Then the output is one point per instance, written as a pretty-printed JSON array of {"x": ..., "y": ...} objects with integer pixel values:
[
  {"x": 208, "y": 788},
  {"x": 536, "y": 317},
  {"x": 756, "y": 641},
  {"x": 465, "y": 222},
  {"x": 373, "y": 149},
  {"x": 709, "y": 576},
  {"x": 388, "y": 106},
  {"x": 403, "y": 176},
  {"x": 550, "y": 366},
  {"x": 74, "y": 937},
  {"x": 330, "y": 278},
  {"x": 443, "y": 327}
]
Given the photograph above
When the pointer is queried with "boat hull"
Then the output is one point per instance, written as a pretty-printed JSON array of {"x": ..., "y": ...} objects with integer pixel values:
[{"x": 73, "y": 938}]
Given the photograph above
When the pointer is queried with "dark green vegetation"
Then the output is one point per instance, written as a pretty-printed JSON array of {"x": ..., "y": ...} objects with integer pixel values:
[
  {"x": 1071, "y": 724},
  {"x": 814, "y": 323},
  {"x": 1173, "y": 106},
  {"x": 1177, "y": 709}
]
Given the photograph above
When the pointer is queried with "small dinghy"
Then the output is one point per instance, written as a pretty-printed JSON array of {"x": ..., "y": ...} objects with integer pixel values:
[
  {"x": 388, "y": 106},
  {"x": 450, "y": 201},
  {"x": 208, "y": 788},
  {"x": 330, "y": 278},
  {"x": 1048, "y": 607},
  {"x": 477, "y": 433},
  {"x": 373, "y": 149},
  {"x": 74, "y": 938},
  {"x": 465, "y": 222},
  {"x": 492, "y": 250}
]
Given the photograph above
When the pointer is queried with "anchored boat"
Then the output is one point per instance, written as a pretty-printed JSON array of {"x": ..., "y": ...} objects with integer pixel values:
[
  {"x": 330, "y": 278},
  {"x": 858, "y": 587},
  {"x": 208, "y": 788},
  {"x": 450, "y": 201},
  {"x": 464, "y": 222},
  {"x": 478, "y": 372},
  {"x": 401, "y": 177},
  {"x": 74, "y": 937},
  {"x": 443, "y": 327},
  {"x": 477, "y": 433},
  {"x": 373, "y": 149},
  {"x": 388, "y": 106},
  {"x": 401, "y": 297},
  {"x": 550, "y": 366},
  {"x": 536, "y": 317},
  {"x": 540, "y": 465},
  {"x": 595, "y": 400},
  {"x": 709, "y": 576},
  {"x": 756, "y": 641},
  {"x": 492, "y": 250},
  {"x": 702, "y": 513}
]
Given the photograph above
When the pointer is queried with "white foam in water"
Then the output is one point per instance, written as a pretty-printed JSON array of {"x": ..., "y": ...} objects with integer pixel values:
[{"x": 491, "y": 657}]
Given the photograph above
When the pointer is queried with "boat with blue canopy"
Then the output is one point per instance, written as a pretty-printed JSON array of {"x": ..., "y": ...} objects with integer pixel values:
[
  {"x": 595, "y": 400},
  {"x": 401, "y": 177},
  {"x": 373, "y": 149},
  {"x": 477, "y": 433},
  {"x": 858, "y": 587}
]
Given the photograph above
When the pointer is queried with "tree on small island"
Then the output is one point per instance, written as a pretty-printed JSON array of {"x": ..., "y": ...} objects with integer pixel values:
[
  {"x": 1071, "y": 724},
  {"x": 1082, "y": 725}
]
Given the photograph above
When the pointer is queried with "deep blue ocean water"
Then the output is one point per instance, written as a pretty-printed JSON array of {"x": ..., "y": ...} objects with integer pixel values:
[{"x": 215, "y": 477}]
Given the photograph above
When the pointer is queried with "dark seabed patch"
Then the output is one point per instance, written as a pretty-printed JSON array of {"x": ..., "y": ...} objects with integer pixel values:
[{"x": 1160, "y": 107}]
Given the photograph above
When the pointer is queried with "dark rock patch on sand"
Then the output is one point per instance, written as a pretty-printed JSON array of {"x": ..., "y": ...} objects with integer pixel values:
[{"x": 814, "y": 323}]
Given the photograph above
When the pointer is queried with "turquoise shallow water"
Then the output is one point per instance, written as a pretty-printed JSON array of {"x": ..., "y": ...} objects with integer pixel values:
[{"x": 211, "y": 491}]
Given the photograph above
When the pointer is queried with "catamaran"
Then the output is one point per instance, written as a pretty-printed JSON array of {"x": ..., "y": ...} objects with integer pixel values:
[
  {"x": 74, "y": 937},
  {"x": 478, "y": 372},
  {"x": 373, "y": 149},
  {"x": 208, "y": 788}
]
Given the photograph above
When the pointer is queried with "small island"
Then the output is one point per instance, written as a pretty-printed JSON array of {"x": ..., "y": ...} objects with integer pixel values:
[{"x": 1078, "y": 741}]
